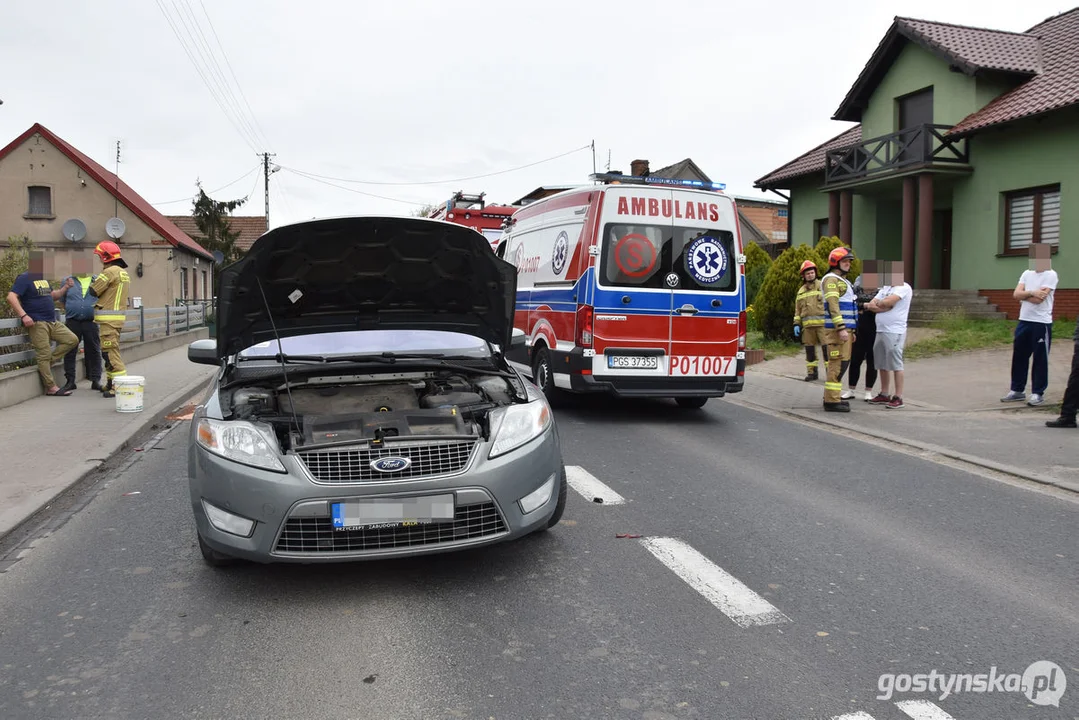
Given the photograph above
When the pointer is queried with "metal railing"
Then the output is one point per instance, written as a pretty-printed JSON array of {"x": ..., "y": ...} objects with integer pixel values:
[
  {"x": 921, "y": 144},
  {"x": 142, "y": 324}
]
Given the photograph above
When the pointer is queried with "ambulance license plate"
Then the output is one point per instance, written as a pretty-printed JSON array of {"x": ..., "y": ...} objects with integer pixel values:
[
  {"x": 701, "y": 366},
  {"x": 633, "y": 362},
  {"x": 392, "y": 512}
]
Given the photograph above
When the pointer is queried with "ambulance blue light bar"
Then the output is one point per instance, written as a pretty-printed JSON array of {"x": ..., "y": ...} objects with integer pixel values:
[{"x": 616, "y": 178}]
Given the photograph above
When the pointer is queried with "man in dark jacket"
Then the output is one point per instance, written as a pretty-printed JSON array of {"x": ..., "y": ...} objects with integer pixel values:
[
  {"x": 79, "y": 318},
  {"x": 1070, "y": 405}
]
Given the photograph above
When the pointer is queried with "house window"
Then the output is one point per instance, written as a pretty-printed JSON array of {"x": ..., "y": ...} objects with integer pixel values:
[
  {"x": 40, "y": 201},
  {"x": 205, "y": 286},
  {"x": 1031, "y": 216},
  {"x": 783, "y": 212},
  {"x": 820, "y": 229},
  {"x": 183, "y": 283}
]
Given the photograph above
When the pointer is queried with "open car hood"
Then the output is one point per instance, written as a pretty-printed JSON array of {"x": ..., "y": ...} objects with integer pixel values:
[{"x": 365, "y": 273}]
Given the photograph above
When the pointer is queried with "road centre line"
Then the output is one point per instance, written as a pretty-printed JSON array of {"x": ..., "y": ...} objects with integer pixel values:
[
  {"x": 923, "y": 710},
  {"x": 745, "y": 607},
  {"x": 590, "y": 488},
  {"x": 854, "y": 716}
]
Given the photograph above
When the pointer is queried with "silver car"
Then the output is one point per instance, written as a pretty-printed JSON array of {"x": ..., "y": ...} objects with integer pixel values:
[{"x": 364, "y": 407}]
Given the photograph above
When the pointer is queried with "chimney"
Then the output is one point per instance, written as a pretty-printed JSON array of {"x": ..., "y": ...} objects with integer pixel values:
[{"x": 638, "y": 168}]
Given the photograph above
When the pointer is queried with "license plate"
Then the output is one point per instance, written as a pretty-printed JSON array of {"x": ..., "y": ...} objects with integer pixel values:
[
  {"x": 633, "y": 362},
  {"x": 392, "y": 512},
  {"x": 701, "y": 366}
]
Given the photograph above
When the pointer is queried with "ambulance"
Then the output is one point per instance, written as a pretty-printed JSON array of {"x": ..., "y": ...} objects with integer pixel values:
[{"x": 634, "y": 286}]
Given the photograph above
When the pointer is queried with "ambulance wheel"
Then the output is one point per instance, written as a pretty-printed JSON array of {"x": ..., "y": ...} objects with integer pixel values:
[
  {"x": 212, "y": 557},
  {"x": 692, "y": 403},
  {"x": 542, "y": 374}
]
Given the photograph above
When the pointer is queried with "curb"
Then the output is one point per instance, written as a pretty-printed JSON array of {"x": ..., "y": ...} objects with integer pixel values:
[
  {"x": 109, "y": 450},
  {"x": 926, "y": 447}
]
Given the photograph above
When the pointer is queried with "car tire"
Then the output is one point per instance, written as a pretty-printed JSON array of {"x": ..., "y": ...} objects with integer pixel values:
[
  {"x": 692, "y": 403},
  {"x": 212, "y": 557},
  {"x": 560, "y": 507},
  {"x": 542, "y": 375}
]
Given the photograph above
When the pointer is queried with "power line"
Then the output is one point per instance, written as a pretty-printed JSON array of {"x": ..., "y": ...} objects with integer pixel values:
[
  {"x": 442, "y": 182},
  {"x": 351, "y": 190},
  {"x": 212, "y": 192}
]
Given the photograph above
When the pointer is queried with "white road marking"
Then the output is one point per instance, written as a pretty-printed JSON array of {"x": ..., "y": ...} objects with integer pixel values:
[
  {"x": 588, "y": 486},
  {"x": 745, "y": 607},
  {"x": 854, "y": 716},
  {"x": 923, "y": 710}
]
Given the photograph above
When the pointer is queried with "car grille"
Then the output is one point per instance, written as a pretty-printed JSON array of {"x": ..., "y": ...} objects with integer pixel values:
[
  {"x": 317, "y": 535},
  {"x": 353, "y": 465}
]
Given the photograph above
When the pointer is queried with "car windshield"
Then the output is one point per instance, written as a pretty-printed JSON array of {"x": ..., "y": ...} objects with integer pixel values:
[
  {"x": 669, "y": 257},
  {"x": 400, "y": 342}
]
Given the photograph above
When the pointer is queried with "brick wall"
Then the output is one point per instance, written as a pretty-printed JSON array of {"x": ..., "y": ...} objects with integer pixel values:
[
  {"x": 766, "y": 218},
  {"x": 1065, "y": 302}
]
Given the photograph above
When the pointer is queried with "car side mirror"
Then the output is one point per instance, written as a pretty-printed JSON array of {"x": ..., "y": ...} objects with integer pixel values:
[
  {"x": 519, "y": 339},
  {"x": 203, "y": 352}
]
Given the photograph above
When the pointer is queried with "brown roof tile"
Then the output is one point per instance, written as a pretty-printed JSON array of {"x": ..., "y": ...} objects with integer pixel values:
[
  {"x": 810, "y": 162},
  {"x": 977, "y": 48},
  {"x": 250, "y": 227},
  {"x": 1057, "y": 85}
]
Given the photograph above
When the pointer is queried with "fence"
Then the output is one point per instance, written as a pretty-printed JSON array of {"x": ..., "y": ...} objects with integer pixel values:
[{"x": 142, "y": 324}]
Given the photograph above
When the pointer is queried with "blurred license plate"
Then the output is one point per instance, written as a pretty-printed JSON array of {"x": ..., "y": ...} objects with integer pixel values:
[
  {"x": 642, "y": 362},
  {"x": 392, "y": 512}
]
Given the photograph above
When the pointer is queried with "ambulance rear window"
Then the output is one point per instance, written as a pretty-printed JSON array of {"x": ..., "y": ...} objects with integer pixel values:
[{"x": 648, "y": 256}]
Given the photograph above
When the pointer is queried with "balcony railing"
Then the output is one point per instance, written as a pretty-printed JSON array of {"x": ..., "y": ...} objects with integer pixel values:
[{"x": 918, "y": 145}]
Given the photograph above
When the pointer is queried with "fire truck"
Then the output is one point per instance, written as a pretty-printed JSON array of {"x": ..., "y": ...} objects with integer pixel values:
[{"x": 473, "y": 211}]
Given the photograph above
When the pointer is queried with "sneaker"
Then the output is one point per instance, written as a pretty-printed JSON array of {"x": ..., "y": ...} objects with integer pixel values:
[
  {"x": 1061, "y": 422},
  {"x": 868, "y": 395},
  {"x": 1035, "y": 399},
  {"x": 1014, "y": 396},
  {"x": 880, "y": 399},
  {"x": 847, "y": 395},
  {"x": 895, "y": 403}
]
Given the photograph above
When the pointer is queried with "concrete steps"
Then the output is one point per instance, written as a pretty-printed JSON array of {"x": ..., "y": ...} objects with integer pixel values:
[{"x": 928, "y": 305}]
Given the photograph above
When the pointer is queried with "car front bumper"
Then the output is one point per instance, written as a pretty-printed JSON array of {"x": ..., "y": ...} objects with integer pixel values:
[{"x": 293, "y": 520}]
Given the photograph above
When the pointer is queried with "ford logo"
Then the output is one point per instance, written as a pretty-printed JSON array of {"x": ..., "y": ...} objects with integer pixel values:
[{"x": 391, "y": 464}]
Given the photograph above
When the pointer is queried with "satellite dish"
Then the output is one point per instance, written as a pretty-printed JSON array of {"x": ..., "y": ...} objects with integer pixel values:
[
  {"x": 114, "y": 228},
  {"x": 219, "y": 257},
  {"x": 74, "y": 230}
]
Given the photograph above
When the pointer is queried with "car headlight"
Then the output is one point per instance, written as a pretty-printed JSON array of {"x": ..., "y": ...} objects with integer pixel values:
[
  {"x": 519, "y": 424},
  {"x": 240, "y": 442}
]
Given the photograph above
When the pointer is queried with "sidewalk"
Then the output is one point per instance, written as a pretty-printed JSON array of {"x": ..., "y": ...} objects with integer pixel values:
[
  {"x": 952, "y": 408},
  {"x": 52, "y": 442}
]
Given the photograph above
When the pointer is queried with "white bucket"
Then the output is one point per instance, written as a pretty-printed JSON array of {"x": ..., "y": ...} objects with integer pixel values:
[{"x": 128, "y": 392}]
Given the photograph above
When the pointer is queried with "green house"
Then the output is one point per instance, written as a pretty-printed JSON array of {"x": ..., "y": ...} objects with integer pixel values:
[{"x": 965, "y": 151}]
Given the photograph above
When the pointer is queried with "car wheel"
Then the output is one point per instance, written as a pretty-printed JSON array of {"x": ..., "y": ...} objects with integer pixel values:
[
  {"x": 541, "y": 372},
  {"x": 691, "y": 402},
  {"x": 560, "y": 508},
  {"x": 212, "y": 557}
]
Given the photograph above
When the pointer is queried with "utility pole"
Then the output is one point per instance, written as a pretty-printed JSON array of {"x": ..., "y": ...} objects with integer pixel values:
[{"x": 266, "y": 176}]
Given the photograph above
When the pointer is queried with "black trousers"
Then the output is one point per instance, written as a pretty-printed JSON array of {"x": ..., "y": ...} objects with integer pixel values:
[
  {"x": 863, "y": 352},
  {"x": 85, "y": 331},
  {"x": 1071, "y": 393}
]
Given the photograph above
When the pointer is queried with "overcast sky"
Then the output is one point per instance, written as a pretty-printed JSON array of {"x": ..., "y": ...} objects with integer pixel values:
[{"x": 405, "y": 91}]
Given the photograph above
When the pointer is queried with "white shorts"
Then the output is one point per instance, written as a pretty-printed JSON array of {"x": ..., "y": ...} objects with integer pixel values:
[{"x": 888, "y": 351}]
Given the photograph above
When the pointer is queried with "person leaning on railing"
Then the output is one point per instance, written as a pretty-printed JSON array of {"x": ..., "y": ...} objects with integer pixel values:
[{"x": 33, "y": 300}]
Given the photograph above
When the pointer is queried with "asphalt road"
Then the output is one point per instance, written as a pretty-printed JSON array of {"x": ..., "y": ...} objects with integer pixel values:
[{"x": 865, "y": 562}]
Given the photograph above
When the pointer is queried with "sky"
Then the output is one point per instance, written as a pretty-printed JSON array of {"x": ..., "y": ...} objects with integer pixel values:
[{"x": 362, "y": 99}]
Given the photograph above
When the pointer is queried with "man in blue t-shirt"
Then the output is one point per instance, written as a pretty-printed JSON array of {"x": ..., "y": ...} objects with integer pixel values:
[{"x": 33, "y": 300}]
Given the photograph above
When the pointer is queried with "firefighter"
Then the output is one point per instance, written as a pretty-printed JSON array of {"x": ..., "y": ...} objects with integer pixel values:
[
  {"x": 110, "y": 289},
  {"x": 840, "y": 322},
  {"x": 809, "y": 316}
]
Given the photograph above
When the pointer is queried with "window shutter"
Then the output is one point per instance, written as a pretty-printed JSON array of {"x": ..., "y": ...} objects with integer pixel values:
[
  {"x": 1050, "y": 229},
  {"x": 1020, "y": 221}
]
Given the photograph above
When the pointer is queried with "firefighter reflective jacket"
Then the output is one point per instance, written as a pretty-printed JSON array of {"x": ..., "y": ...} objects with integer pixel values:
[
  {"x": 809, "y": 306},
  {"x": 840, "y": 311},
  {"x": 111, "y": 289}
]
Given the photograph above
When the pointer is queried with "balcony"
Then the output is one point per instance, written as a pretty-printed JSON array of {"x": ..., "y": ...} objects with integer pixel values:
[{"x": 916, "y": 146}]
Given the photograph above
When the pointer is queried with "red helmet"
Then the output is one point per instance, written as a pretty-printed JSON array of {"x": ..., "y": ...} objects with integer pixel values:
[
  {"x": 109, "y": 252},
  {"x": 807, "y": 265},
  {"x": 840, "y": 253}
]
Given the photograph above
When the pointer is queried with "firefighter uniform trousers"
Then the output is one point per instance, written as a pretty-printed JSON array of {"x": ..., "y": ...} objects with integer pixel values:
[
  {"x": 809, "y": 315},
  {"x": 110, "y": 350},
  {"x": 109, "y": 314},
  {"x": 840, "y": 313}
]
